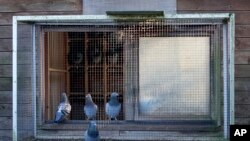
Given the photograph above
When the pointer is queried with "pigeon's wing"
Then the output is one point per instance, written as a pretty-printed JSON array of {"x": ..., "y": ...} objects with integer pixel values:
[
  {"x": 90, "y": 111},
  {"x": 59, "y": 117}
]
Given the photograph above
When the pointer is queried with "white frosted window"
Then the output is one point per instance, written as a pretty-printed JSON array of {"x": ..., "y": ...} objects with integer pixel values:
[{"x": 174, "y": 76}]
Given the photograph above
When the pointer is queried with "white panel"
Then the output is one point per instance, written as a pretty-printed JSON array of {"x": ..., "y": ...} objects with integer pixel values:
[{"x": 174, "y": 76}]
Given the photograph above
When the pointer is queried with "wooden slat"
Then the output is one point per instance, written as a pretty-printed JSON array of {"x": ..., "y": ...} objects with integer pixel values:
[
  {"x": 6, "y": 110},
  {"x": 5, "y": 135},
  {"x": 38, "y": 5},
  {"x": 242, "y": 97},
  {"x": 242, "y": 121},
  {"x": 6, "y": 44},
  {"x": 242, "y": 43},
  {"x": 6, "y": 97},
  {"x": 5, "y": 58},
  {"x": 6, "y": 32},
  {"x": 213, "y": 5},
  {"x": 242, "y": 84},
  {"x": 6, "y": 123},
  {"x": 242, "y": 31},
  {"x": 242, "y": 57},
  {"x": 242, "y": 110},
  {"x": 5, "y": 84},
  {"x": 242, "y": 70},
  {"x": 5, "y": 71}
]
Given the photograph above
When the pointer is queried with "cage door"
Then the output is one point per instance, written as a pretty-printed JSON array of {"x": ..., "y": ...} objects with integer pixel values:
[{"x": 174, "y": 77}]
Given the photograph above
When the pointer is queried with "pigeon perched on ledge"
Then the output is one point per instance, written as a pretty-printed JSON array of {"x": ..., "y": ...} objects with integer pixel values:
[
  {"x": 63, "y": 109},
  {"x": 90, "y": 108},
  {"x": 92, "y": 133},
  {"x": 113, "y": 107}
]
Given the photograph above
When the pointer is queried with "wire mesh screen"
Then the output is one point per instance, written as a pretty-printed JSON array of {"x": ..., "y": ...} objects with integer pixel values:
[{"x": 166, "y": 74}]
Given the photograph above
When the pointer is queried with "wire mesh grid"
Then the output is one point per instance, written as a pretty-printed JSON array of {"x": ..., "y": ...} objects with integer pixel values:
[{"x": 166, "y": 72}]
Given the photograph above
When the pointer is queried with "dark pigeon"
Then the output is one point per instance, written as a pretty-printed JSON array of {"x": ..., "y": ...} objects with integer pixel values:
[{"x": 92, "y": 133}]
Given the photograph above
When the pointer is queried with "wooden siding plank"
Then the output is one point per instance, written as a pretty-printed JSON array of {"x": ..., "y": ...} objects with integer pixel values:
[
  {"x": 242, "y": 110},
  {"x": 242, "y": 70},
  {"x": 242, "y": 31},
  {"x": 242, "y": 97},
  {"x": 6, "y": 123},
  {"x": 242, "y": 121},
  {"x": 242, "y": 43},
  {"x": 6, "y": 71},
  {"x": 38, "y": 5},
  {"x": 5, "y": 44},
  {"x": 5, "y": 84},
  {"x": 6, "y": 97},
  {"x": 242, "y": 57},
  {"x": 6, "y": 31},
  {"x": 5, "y": 109},
  {"x": 242, "y": 84},
  {"x": 213, "y": 5},
  {"x": 5, "y": 135},
  {"x": 5, "y": 58}
]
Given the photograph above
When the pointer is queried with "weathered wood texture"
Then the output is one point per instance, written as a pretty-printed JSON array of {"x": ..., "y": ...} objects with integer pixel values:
[
  {"x": 38, "y": 5},
  {"x": 213, "y": 5},
  {"x": 241, "y": 8},
  {"x": 9, "y": 8}
]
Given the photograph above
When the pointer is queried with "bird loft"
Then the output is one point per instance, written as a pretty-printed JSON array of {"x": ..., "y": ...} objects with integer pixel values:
[{"x": 171, "y": 69}]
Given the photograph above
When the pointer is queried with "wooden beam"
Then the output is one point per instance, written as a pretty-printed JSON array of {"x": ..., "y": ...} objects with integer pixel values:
[
  {"x": 6, "y": 31},
  {"x": 6, "y": 135},
  {"x": 242, "y": 57},
  {"x": 242, "y": 71},
  {"x": 6, "y": 123},
  {"x": 5, "y": 84},
  {"x": 38, "y": 5},
  {"x": 242, "y": 97},
  {"x": 242, "y": 43},
  {"x": 242, "y": 84},
  {"x": 6, "y": 44},
  {"x": 224, "y": 5},
  {"x": 6, "y": 110},
  {"x": 242, "y": 110},
  {"x": 242, "y": 31},
  {"x": 6, "y": 97}
]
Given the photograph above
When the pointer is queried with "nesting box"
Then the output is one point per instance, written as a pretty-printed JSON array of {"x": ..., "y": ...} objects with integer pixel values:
[{"x": 173, "y": 73}]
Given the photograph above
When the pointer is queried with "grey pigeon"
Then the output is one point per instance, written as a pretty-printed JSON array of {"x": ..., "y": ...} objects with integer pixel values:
[
  {"x": 63, "y": 109},
  {"x": 92, "y": 133},
  {"x": 113, "y": 107},
  {"x": 90, "y": 108}
]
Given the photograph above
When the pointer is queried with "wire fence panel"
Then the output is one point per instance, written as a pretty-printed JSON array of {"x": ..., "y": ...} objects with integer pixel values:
[{"x": 149, "y": 79}]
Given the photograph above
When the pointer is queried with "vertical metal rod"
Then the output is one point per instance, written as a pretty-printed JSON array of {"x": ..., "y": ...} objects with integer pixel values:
[
  {"x": 14, "y": 79},
  {"x": 231, "y": 34},
  {"x": 34, "y": 75},
  {"x": 225, "y": 81}
]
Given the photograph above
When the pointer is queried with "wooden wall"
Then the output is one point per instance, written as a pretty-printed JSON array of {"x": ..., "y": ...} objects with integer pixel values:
[
  {"x": 241, "y": 8},
  {"x": 8, "y": 8}
]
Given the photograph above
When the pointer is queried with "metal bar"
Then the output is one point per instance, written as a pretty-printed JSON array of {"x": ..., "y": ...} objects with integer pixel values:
[
  {"x": 231, "y": 35},
  {"x": 101, "y": 17},
  {"x": 34, "y": 75},
  {"x": 14, "y": 79},
  {"x": 225, "y": 81}
]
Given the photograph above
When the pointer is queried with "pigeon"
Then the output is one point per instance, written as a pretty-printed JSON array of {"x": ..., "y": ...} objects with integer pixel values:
[
  {"x": 113, "y": 107},
  {"x": 63, "y": 109},
  {"x": 90, "y": 108},
  {"x": 92, "y": 133}
]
